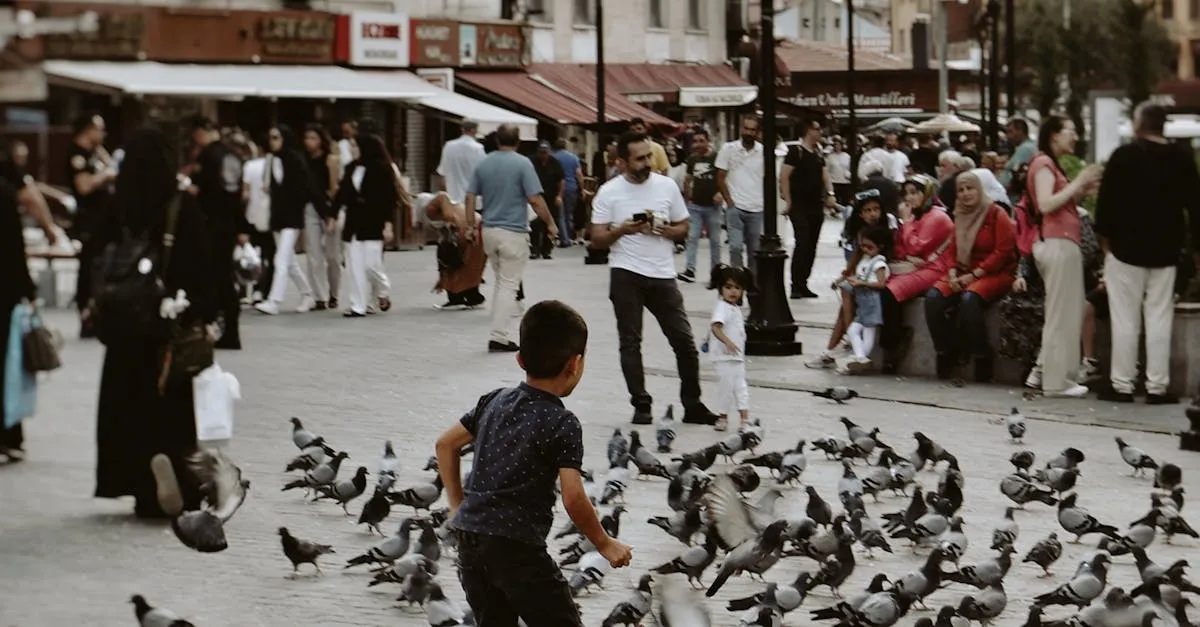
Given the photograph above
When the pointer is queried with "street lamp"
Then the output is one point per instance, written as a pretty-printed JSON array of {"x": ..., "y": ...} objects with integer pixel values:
[
  {"x": 597, "y": 256},
  {"x": 771, "y": 329}
]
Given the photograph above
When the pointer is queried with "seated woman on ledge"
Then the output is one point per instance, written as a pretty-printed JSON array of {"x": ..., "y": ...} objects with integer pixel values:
[{"x": 984, "y": 252}]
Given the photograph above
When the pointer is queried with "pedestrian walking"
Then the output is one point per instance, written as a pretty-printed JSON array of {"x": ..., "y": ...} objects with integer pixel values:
[
  {"x": 740, "y": 181},
  {"x": 1147, "y": 207},
  {"x": 459, "y": 158},
  {"x": 217, "y": 186},
  {"x": 256, "y": 193},
  {"x": 322, "y": 226},
  {"x": 568, "y": 214},
  {"x": 727, "y": 343},
  {"x": 554, "y": 183},
  {"x": 1058, "y": 257},
  {"x": 639, "y": 215},
  {"x": 368, "y": 195},
  {"x": 15, "y": 286},
  {"x": 460, "y": 260},
  {"x": 525, "y": 441},
  {"x": 91, "y": 172},
  {"x": 291, "y": 192},
  {"x": 703, "y": 203},
  {"x": 508, "y": 184},
  {"x": 807, "y": 192}
]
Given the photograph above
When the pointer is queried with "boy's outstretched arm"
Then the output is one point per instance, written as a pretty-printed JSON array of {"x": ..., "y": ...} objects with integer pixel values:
[
  {"x": 448, "y": 447},
  {"x": 579, "y": 508}
]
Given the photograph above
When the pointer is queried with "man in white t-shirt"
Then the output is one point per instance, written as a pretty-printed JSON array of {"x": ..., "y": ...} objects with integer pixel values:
[
  {"x": 900, "y": 165},
  {"x": 740, "y": 181},
  {"x": 459, "y": 158},
  {"x": 639, "y": 216}
]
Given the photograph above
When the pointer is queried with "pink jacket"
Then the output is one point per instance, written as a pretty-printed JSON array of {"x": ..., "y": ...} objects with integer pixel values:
[{"x": 922, "y": 238}]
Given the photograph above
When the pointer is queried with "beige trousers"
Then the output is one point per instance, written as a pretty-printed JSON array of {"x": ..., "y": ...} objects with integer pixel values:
[
  {"x": 1135, "y": 292},
  {"x": 509, "y": 252},
  {"x": 1060, "y": 262}
]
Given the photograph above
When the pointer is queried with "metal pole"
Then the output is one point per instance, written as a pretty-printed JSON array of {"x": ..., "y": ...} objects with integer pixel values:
[
  {"x": 600, "y": 68},
  {"x": 851, "y": 90},
  {"x": 993, "y": 77},
  {"x": 1010, "y": 58},
  {"x": 766, "y": 101},
  {"x": 943, "y": 69}
]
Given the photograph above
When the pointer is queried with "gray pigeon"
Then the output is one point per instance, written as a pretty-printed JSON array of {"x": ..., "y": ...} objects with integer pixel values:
[
  {"x": 322, "y": 475},
  {"x": 985, "y": 573},
  {"x": 1045, "y": 553},
  {"x": 427, "y": 543},
  {"x": 692, "y": 562},
  {"x": 389, "y": 465},
  {"x": 1069, "y": 458},
  {"x": 645, "y": 461},
  {"x": 417, "y": 589},
  {"x": 1082, "y": 588},
  {"x": 224, "y": 491},
  {"x": 1005, "y": 533},
  {"x": 389, "y": 550},
  {"x": 375, "y": 510},
  {"x": 312, "y": 456},
  {"x": 749, "y": 552},
  {"x": 405, "y": 566},
  {"x": 838, "y": 394},
  {"x": 1079, "y": 521},
  {"x": 985, "y": 605},
  {"x": 592, "y": 569},
  {"x": 953, "y": 541},
  {"x": 792, "y": 465},
  {"x": 149, "y": 616},
  {"x": 1058, "y": 479},
  {"x": 1020, "y": 489},
  {"x": 301, "y": 551},
  {"x": 346, "y": 490},
  {"x": 420, "y": 496},
  {"x": 664, "y": 430},
  {"x": 1015, "y": 423},
  {"x": 1135, "y": 457},
  {"x": 849, "y": 486},
  {"x": 301, "y": 437},
  {"x": 442, "y": 612},
  {"x": 632, "y": 610},
  {"x": 618, "y": 448}
]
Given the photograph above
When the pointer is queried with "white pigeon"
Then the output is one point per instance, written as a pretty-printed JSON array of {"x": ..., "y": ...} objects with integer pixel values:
[{"x": 1015, "y": 423}]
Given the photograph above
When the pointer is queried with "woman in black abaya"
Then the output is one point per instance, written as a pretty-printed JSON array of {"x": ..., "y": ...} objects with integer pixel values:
[{"x": 134, "y": 422}]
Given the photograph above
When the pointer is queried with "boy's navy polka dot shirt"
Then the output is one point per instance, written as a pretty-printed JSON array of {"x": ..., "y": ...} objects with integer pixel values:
[{"x": 523, "y": 436}]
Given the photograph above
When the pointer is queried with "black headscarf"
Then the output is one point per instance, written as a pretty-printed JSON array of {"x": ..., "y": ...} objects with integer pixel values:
[{"x": 146, "y": 182}]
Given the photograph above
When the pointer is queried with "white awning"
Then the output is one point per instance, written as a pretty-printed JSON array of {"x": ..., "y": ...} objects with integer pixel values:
[
  {"x": 732, "y": 96},
  {"x": 457, "y": 105},
  {"x": 150, "y": 78}
]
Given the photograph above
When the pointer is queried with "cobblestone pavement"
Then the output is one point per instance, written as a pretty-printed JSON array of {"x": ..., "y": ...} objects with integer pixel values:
[{"x": 66, "y": 558}]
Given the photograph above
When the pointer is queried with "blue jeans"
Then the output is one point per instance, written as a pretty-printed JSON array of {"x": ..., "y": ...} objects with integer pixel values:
[
  {"x": 708, "y": 218},
  {"x": 566, "y": 215},
  {"x": 745, "y": 233}
]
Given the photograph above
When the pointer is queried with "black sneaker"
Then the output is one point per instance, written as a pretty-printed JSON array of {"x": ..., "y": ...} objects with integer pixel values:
[
  {"x": 806, "y": 293},
  {"x": 547, "y": 256},
  {"x": 1162, "y": 399},
  {"x": 642, "y": 415},
  {"x": 1114, "y": 396},
  {"x": 502, "y": 347},
  {"x": 687, "y": 276},
  {"x": 698, "y": 414}
]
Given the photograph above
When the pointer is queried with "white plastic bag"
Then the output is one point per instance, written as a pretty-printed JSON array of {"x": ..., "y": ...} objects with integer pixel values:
[{"x": 214, "y": 392}]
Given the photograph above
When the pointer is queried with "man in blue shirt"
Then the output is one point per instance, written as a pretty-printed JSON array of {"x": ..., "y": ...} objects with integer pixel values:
[
  {"x": 508, "y": 184},
  {"x": 572, "y": 174}
]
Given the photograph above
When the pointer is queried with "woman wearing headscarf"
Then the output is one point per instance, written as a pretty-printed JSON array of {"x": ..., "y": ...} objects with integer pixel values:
[
  {"x": 291, "y": 191},
  {"x": 142, "y": 434},
  {"x": 984, "y": 254},
  {"x": 368, "y": 194},
  {"x": 923, "y": 256},
  {"x": 992, "y": 188}
]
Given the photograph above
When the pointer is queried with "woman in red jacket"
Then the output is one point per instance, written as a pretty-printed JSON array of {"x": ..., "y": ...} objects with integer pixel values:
[{"x": 984, "y": 254}]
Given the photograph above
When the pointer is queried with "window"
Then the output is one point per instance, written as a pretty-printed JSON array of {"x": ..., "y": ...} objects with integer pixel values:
[
  {"x": 655, "y": 19},
  {"x": 538, "y": 10},
  {"x": 1168, "y": 9},
  {"x": 695, "y": 15},
  {"x": 585, "y": 12},
  {"x": 1194, "y": 10}
]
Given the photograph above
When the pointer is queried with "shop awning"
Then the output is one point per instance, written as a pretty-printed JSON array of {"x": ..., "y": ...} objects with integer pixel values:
[
  {"x": 457, "y": 105},
  {"x": 689, "y": 85},
  {"x": 562, "y": 92},
  {"x": 150, "y": 78}
]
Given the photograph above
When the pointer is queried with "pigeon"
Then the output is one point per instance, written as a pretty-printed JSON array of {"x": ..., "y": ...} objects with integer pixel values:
[
  {"x": 953, "y": 541},
  {"x": 692, "y": 562},
  {"x": 592, "y": 569},
  {"x": 375, "y": 510},
  {"x": 322, "y": 475},
  {"x": 389, "y": 550},
  {"x": 311, "y": 456},
  {"x": 1015, "y": 423},
  {"x": 405, "y": 566},
  {"x": 1005, "y": 534},
  {"x": 849, "y": 485},
  {"x": 881, "y": 609},
  {"x": 1022, "y": 460},
  {"x": 1079, "y": 521},
  {"x": 389, "y": 465},
  {"x": 301, "y": 437},
  {"x": 735, "y": 443},
  {"x": 985, "y": 605},
  {"x": 1068, "y": 458},
  {"x": 224, "y": 491},
  {"x": 817, "y": 509},
  {"x": 345, "y": 491},
  {"x": 420, "y": 496},
  {"x": 766, "y": 615},
  {"x": 149, "y": 616},
  {"x": 839, "y": 394},
  {"x": 1045, "y": 553},
  {"x": 920, "y": 583},
  {"x": 1168, "y": 477},
  {"x": 837, "y": 568},
  {"x": 442, "y": 612},
  {"x": 632, "y": 610},
  {"x": 301, "y": 551},
  {"x": 985, "y": 573},
  {"x": 946, "y": 617},
  {"x": 915, "y": 510},
  {"x": 853, "y": 431},
  {"x": 1082, "y": 588},
  {"x": 929, "y": 526},
  {"x": 678, "y": 609},
  {"x": 792, "y": 465},
  {"x": 749, "y": 552},
  {"x": 682, "y": 525},
  {"x": 417, "y": 588},
  {"x": 844, "y": 609},
  {"x": 1058, "y": 479},
  {"x": 868, "y": 532},
  {"x": 831, "y": 446},
  {"x": 616, "y": 481},
  {"x": 1020, "y": 489},
  {"x": 618, "y": 448},
  {"x": 930, "y": 451},
  {"x": 427, "y": 543},
  {"x": 645, "y": 461},
  {"x": 1135, "y": 457},
  {"x": 745, "y": 478},
  {"x": 664, "y": 431}
]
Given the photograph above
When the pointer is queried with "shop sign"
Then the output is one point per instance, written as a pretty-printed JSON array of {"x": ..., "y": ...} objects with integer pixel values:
[
  {"x": 434, "y": 43},
  {"x": 23, "y": 85},
  {"x": 379, "y": 39},
  {"x": 118, "y": 36},
  {"x": 839, "y": 100},
  {"x": 491, "y": 45},
  {"x": 645, "y": 98},
  {"x": 733, "y": 96},
  {"x": 295, "y": 37}
]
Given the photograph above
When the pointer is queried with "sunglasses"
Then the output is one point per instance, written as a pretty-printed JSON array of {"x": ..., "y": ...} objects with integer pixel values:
[{"x": 866, "y": 194}]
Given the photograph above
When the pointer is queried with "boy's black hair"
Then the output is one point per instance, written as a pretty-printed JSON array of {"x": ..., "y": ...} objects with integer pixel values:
[
  {"x": 551, "y": 334},
  {"x": 878, "y": 233},
  {"x": 723, "y": 272}
]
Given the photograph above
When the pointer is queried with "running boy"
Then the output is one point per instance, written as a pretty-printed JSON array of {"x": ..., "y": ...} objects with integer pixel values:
[{"x": 524, "y": 440}]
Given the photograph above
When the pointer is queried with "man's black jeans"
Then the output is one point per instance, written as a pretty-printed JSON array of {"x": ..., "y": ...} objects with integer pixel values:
[
  {"x": 630, "y": 293},
  {"x": 506, "y": 580},
  {"x": 806, "y": 223}
]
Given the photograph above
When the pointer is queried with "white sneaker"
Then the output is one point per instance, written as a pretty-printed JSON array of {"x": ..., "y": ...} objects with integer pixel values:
[
  {"x": 1088, "y": 370},
  {"x": 1034, "y": 380},
  {"x": 306, "y": 304},
  {"x": 1075, "y": 391},
  {"x": 268, "y": 307},
  {"x": 823, "y": 360},
  {"x": 858, "y": 365}
]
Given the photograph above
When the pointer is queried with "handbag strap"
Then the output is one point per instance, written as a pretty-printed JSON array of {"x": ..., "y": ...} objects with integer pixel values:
[{"x": 168, "y": 240}]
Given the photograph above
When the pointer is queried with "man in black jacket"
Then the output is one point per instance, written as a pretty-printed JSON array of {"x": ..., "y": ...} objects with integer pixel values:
[
  {"x": 217, "y": 186},
  {"x": 1147, "y": 188}
]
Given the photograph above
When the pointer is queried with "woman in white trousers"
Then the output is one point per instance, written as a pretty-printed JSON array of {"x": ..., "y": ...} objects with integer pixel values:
[
  {"x": 368, "y": 194},
  {"x": 288, "y": 182},
  {"x": 322, "y": 242}
]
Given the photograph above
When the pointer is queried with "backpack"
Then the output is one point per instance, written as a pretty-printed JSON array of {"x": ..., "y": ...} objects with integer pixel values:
[
  {"x": 129, "y": 286},
  {"x": 1029, "y": 224}
]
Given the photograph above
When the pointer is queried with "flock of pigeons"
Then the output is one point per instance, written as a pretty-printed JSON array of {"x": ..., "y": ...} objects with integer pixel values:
[{"x": 729, "y": 522}]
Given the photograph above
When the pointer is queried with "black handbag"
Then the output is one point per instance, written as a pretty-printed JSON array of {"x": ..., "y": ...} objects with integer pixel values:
[
  {"x": 188, "y": 353},
  {"x": 39, "y": 349}
]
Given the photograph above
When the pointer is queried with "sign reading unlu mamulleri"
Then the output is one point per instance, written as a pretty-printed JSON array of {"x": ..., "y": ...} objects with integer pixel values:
[{"x": 839, "y": 100}]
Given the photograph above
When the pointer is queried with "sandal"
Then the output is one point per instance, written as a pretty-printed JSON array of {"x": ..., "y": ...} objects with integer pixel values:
[
  {"x": 385, "y": 304},
  {"x": 721, "y": 424}
]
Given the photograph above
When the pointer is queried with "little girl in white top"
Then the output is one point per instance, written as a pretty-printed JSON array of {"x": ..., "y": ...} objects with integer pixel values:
[
  {"x": 869, "y": 280},
  {"x": 728, "y": 345}
]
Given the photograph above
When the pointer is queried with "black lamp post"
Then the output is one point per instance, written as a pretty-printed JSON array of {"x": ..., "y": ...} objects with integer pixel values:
[
  {"x": 1010, "y": 57},
  {"x": 597, "y": 256},
  {"x": 852, "y": 136},
  {"x": 770, "y": 330},
  {"x": 993, "y": 24}
]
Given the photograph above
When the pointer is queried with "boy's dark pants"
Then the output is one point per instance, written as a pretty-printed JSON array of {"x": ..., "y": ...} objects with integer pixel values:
[{"x": 505, "y": 580}]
